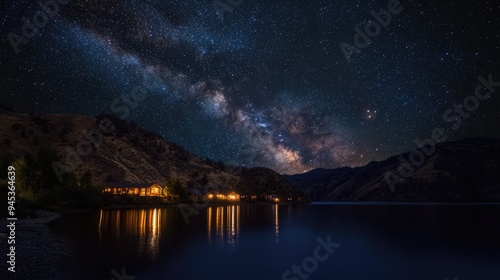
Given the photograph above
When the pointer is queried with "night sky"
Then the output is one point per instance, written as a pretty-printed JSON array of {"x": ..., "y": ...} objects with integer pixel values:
[{"x": 264, "y": 83}]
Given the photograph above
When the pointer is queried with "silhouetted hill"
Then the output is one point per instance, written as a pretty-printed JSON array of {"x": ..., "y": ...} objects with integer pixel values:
[
  {"x": 466, "y": 170},
  {"x": 128, "y": 153}
]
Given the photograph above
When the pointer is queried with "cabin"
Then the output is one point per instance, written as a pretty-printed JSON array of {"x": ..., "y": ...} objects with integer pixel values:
[
  {"x": 272, "y": 197},
  {"x": 249, "y": 197},
  {"x": 195, "y": 194},
  {"x": 139, "y": 189},
  {"x": 232, "y": 196},
  {"x": 212, "y": 194},
  {"x": 221, "y": 196}
]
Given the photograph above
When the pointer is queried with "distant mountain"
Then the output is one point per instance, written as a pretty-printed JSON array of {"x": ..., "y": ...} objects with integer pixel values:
[
  {"x": 127, "y": 153},
  {"x": 466, "y": 170}
]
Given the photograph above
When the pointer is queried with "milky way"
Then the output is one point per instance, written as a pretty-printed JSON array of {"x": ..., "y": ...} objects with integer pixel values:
[{"x": 267, "y": 85}]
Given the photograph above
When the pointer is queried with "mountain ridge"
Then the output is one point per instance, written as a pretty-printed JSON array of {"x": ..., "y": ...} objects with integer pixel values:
[
  {"x": 115, "y": 150},
  {"x": 448, "y": 174}
]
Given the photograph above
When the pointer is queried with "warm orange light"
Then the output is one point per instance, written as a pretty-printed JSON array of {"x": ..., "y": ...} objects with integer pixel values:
[
  {"x": 210, "y": 196},
  {"x": 276, "y": 200}
]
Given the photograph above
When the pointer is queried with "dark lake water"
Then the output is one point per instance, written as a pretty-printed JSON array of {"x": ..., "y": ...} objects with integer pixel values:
[{"x": 370, "y": 241}]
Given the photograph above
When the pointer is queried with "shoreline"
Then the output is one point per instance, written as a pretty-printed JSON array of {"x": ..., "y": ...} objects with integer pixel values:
[
  {"x": 41, "y": 252},
  {"x": 176, "y": 204}
]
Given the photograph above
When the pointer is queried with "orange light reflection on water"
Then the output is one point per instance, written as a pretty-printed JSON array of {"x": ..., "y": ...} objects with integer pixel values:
[
  {"x": 143, "y": 224},
  {"x": 227, "y": 224},
  {"x": 276, "y": 222}
]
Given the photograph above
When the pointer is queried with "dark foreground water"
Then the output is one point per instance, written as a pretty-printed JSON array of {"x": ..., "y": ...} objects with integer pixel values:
[{"x": 367, "y": 241}]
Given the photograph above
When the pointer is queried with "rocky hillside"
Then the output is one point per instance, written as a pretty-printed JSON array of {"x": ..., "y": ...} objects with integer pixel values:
[
  {"x": 115, "y": 150},
  {"x": 467, "y": 170}
]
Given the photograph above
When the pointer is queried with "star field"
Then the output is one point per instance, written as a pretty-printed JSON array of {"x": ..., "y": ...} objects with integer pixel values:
[{"x": 268, "y": 84}]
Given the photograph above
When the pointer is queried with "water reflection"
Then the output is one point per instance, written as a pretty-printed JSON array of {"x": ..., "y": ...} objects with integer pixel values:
[
  {"x": 142, "y": 224},
  {"x": 142, "y": 229},
  {"x": 276, "y": 223},
  {"x": 391, "y": 238},
  {"x": 227, "y": 224}
]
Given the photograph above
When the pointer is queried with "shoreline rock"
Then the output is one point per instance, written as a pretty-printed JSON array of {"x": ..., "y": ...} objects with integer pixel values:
[{"x": 41, "y": 252}]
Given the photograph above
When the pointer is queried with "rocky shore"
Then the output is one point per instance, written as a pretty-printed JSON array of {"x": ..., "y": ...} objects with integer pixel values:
[{"x": 41, "y": 252}]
